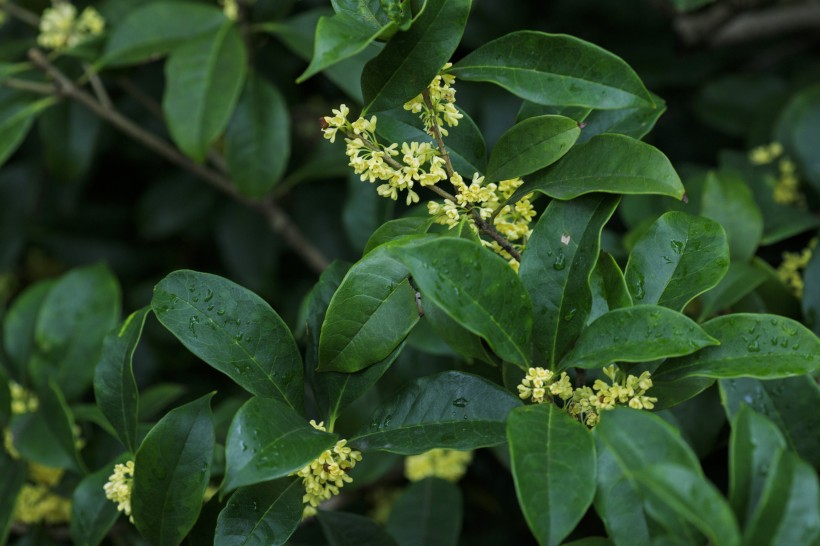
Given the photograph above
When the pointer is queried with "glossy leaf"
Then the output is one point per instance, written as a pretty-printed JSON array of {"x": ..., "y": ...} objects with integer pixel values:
[
  {"x": 171, "y": 472},
  {"x": 115, "y": 388},
  {"x": 12, "y": 478},
  {"x": 266, "y": 514},
  {"x": 204, "y": 78},
  {"x": 268, "y": 440},
  {"x": 411, "y": 59},
  {"x": 676, "y": 259},
  {"x": 608, "y": 287},
  {"x": 607, "y": 163},
  {"x": 780, "y": 400},
  {"x": 555, "y": 69},
  {"x": 461, "y": 340},
  {"x": 531, "y": 145},
  {"x": 92, "y": 514},
  {"x": 369, "y": 315},
  {"x": 476, "y": 288},
  {"x": 157, "y": 28},
  {"x": 19, "y": 325},
  {"x": 811, "y": 294},
  {"x": 740, "y": 280},
  {"x": 394, "y": 229},
  {"x": 343, "y": 529},
  {"x": 428, "y": 513},
  {"x": 636, "y": 334},
  {"x": 694, "y": 498},
  {"x": 453, "y": 410},
  {"x": 556, "y": 268},
  {"x": 728, "y": 200},
  {"x": 751, "y": 345},
  {"x": 225, "y": 325},
  {"x": 554, "y": 469},
  {"x": 633, "y": 122},
  {"x": 753, "y": 445},
  {"x": 797, "y": 129},
  {"x": 257, "y": 142}
]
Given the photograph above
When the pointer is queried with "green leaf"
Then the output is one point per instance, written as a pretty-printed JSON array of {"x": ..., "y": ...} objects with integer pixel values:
[
  {"x": 257, "y": 143},
  {"x": 453, "y": 410},
  {"x": 69, "y": 132},
  {"x": 689, "y": 5},
  {"x": 12, "y": 477},
  {"x": 48, "y": 436},
  {"x": 676, "y": 259},
  {"x": 343, "y": 529},
  {"x": 476, "y": 288},
  {"x": 369, "y": 315},
  {"x": 269, "y": 440},
  {"x": 728, "y": 200},
  {"x": 346, "y": 33},
  {"x": 751, "y": 345},
  {"x": 461, "y": 340},
  {"x": 633, "y": 122},
  {"x": 531, "y": 145},
  {"x": 92, "y": 514},
  {"x": 608, "y": 287},
  {"x": 694, "y": 498},
  {"x": 115, "y": 388},
  {"x": 811, "y": 294},
  {"x": 798, "y": 127},
  {"x": 17, "y": 113},
  {"x": 394, "y": 229},
  {"x": 76, "y": 314},
  {"x": 789, "y": 508},
  {"x": 780, "y": 400},
  {"x": 753, "y": 445},
  {"x": 555, "y": 69},
  {"x": 266, "y": 514},
  {"x": 411, "y": 59},
  {"x": 428, "y": 513},
  {"x": 740, "y": 280},
  {"x": 607, "y": 163},
  {"x": 156, "y": 28},
  {"x": 171, "y": 472},
  {"x": 554, "y": 469},
  {"x": 636, "y": 334},
  {"x": 203, "y": 80},
  {"x": 233, "y": 330},
  {"x": 5, "y": 399},
  {"x": 19, "y": 325},
  {"x": 556, "y": 268},
  {"x": 464, "y": 142}
]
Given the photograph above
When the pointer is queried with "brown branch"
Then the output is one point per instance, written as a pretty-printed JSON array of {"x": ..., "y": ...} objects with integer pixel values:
[
  {"x": 276, "y": 217},
  {"x": 31, "y": 87},
  {"x": 24, "y": 15},
  {"x": 487, "y": 228}
]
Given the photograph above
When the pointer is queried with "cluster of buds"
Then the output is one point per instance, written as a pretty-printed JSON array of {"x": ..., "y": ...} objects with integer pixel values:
[
  {"x": 793, "y": 265},
  {"x": 60, "y": 27},
  {"x": 441, "y": 110},
  {"x": 786, "y": 189},
  {"x": 119, "y": 486},
  {"x": 447, "y": 464}
]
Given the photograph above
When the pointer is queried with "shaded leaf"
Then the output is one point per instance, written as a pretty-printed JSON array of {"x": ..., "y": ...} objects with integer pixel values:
[
  {"x": 633, "y": 122},
  {"x": 12, "y": 477},
  {"x": 266, "y": 514},
  {"x": 728, "y": 200},
  {"x": 19, "y": 325},
  {"x": 17, "y": 113},
  {"x": 394, "y": 229},
  {"x": 428, "y": 513},
  {"x": 343, "y": 529},
  {"x": 740, "y": 280},
  {"x": 798, "y": 127},
  {"x": 92, "y": 514},
  {"x": 608, "y": 287}
]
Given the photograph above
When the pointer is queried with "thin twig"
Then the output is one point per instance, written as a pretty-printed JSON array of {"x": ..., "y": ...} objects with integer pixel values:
[
  {"x": 276, "y": 217},
  {"x": 33, "y": 87},
  {"x": 24, "y": 15},
  {"x": 487, "y": 228},
  {"x": 98, "y": 87},
  {"x": 437, "y": 133}
]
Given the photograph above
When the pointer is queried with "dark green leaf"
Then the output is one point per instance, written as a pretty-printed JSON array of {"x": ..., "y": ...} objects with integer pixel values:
[
  {"x": 671, "y": 393},
  {"x": 780, "y": 400},
  {"x": 754, "y": 443},
  {"x": 428, "y": 513},
  {"x": 531, "y": 145},
  {"x": 171, "y": 472},
  {"x": 393, "y": 229},
  {"x": 268, "y": 440},
  {"x": 154, "y": 399},
  {"x": 12, "y": 478},
  {"x": 461, "y": 340},
  {"x": 5, "y": 399},
  {"x": 369, "y": 315},
  {"x": 36, "y": 442},
  {"x": 555, "y": 69},
  {"x": 789, "y": 508},
  {"x": 257, "y": 143},
  {"x": 411, "y": 59},
  {"x": 17, "y": 113},
  {"x": 608, "y": 287},
  {"x": 798, "y": 128},
  {"x": 553, "y": 465},
  {"x": 60, "y": 422},
  {"x": 607, "y": 163},
  {"x": 451, "y": 410},
  {"x": 676, "y": 259},
  {"x": 19, "y": 326},
  {"x": 741, "y": 279},
  {"x": 92, "y": 514},
  {"x": 204, "y": 78},
  {"x": 689, "y": 5},
  {"x": 751, "y": 345},
  {"x": 694, "y": 498},
  {"x": 157, "y": 28},
  {"x": 261, "y": 515},
  {"x": 811, "y": 294},
  {"x": 233, "y": 330},
  {"x": 476, "y": 288},
  {"x": 69, "y": 132},
  {"x": 636, "y": 334},
  {"x": 728, "y": 200},
  {"x": 633, "y": 122},
  {"x": 115, "y": 388},
  {"x": 364, "y": 211},
  {"x": 343, "y": 529},
  {"x": 556, "y": 268}
]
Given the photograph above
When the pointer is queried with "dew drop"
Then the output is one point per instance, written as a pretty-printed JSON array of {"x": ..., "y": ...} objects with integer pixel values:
[
  {"x": 192, "y": 324},
  {"x": 569, "y": 315},
  {"x": 677, "y": 246},
  {"x": 560, "y": 262},
  {"x": 460, "y": 402},
  {"x": 209, "y": 295},
  {"x": 753, "y": 347}
]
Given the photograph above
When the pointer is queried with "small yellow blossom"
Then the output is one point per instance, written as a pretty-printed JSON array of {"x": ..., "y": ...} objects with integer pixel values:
[
  {"x": 327, "y": 474},
  {"x": 119, "y": 486},
  {"x": 8, "y": 444},
  {"x": 442, "y": 99},
  {"x": 60, "y": 27},
  {"x": 787, "y": 186},
  {"x": 22, "y": 400},
  {"x": 763, "y": 155},
  {"x": 45, "y": 475},
  {"x": 231, "y": 9},
  {"x": 447, "y": 464},
  {"x": 37, "y": 504},
  {"x": 794, "y": 263}
]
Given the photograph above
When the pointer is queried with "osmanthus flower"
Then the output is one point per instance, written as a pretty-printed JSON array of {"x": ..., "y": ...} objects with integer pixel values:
[
  {"x": 794, "y": 263},
  {"x": 442, "y": 99},
  {"x": 60, "y": 27},
  {"x": 326, "y": 475},
  {"x": 119, "y": 486},
  {"x": 786, "y": 189},
  {"x": 38, "y": 504},
  {"x": 447, "y": 464}
]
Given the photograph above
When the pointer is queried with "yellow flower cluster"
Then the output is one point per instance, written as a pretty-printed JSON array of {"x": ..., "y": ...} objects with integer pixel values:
[
  {"x": 585, "y": 403},
  {"x": 37, "y": 504},
  {"x": 45, "y": 475},
  {"x": 60, "y": 27},
  {"x": 763, "y": 155},
  {"x": 400, "y": 168},
  {"x": 447, "y": 464},
  {"x": 442, "y": 99},
  {"x": 22, "y": 400},
  {"x": 230, "y": 8},
  {"x": 790, "y": 270},
  {"x": 119, "y": 486},
  {"x": 327, "y": 474},
  {"x": 787, "y": 185}
]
